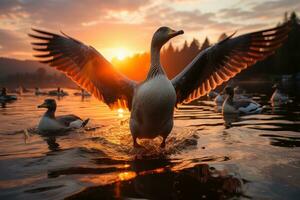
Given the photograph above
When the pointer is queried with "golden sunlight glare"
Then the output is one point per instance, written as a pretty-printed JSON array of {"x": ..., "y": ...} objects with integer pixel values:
[
  {"x": 120, "y": 112},
  {"x": 121, "y": 53}
]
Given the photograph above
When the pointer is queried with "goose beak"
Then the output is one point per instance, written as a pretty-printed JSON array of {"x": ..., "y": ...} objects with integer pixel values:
[
  {"x": 175, "y": 33},
  {"x": 44, "y": 105}
]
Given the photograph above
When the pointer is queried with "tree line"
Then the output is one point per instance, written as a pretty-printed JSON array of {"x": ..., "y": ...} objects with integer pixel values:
[
  {"x": 39, "y": 78},
  {"x": 286, "y": 60}
]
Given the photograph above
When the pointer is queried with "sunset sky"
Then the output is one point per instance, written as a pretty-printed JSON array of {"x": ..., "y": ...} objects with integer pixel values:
[{"x": 120, "y": 28}]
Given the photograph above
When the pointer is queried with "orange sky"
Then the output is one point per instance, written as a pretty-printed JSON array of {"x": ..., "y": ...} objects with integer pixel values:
[{"x": 121, "y": 28}]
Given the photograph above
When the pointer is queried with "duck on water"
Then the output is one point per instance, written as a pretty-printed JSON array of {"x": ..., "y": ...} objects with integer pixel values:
[
  {"x": 50, "y": 123},
  {"x": 239, "y": 106},
  {"x": 153, "y": 100},
  {"x": 4, "y": 97}
]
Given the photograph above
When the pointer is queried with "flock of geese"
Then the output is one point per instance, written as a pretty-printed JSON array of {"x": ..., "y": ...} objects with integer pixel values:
[
  {"x": 233, "y": 101},
  {"x": 153, "y": 100}
]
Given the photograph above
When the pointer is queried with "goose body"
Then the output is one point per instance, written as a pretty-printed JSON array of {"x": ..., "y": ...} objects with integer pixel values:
[
  {"x": 152, "y": 101},
  {"x": 238, "y": 95},
  {"x": 241, "y": 106},
  {"x": 219, "y": 99},
  {"x": 232, "y": 105},
  {"x": 4, "y": 97},
  {"x": 152, "y": 108},
  {"x": 59, "y": 92},
  {"x": 39, "y": 92},
  {"x": 83, "y": 93},
  {"x": 49, "y": 123},
  {"x": 8, "y": 98}
]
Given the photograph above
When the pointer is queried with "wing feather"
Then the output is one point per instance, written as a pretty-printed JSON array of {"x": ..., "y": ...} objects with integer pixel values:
[
  {"x": 85, "y": 66},
  {"x": 217, "y": 64}
]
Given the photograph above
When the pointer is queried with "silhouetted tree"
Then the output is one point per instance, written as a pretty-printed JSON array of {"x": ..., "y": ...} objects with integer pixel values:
[
  {"x": 205, "y": 44},
  {"x": 285, "y": 61},
  {"x": 222, "y": 37}
]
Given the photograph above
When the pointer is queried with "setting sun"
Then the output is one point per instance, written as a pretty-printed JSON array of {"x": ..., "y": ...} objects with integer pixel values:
[
  {"x": 121, "y": 53},
  {"x": 120, "y": 112}
]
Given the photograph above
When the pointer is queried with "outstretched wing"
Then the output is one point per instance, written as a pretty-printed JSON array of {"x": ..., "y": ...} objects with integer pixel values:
[
  {"x": 85, "y": 66},
  {"x": 224, "y": 60}
]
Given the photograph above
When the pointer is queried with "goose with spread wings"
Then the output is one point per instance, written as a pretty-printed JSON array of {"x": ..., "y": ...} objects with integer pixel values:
[{"x": 153, "y": 100}]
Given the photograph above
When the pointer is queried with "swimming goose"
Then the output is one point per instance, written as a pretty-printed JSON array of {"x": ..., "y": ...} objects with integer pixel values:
[
  {"x": 39, "y": 92},
  {"x": 152, "y": 101},
  {"x": 212, "y": 95},
  {"x": 220, "y": 98},
  {"x": 242, "y": 106},
  {"x": 59, "y": 92},
  {"x": 239, "y": 93},
  {"x": 83, "y": 93},
  {"x": 278, "y": 97},
  {"x": 4, "y": 97},
  {"x": 50, "y": 123}
]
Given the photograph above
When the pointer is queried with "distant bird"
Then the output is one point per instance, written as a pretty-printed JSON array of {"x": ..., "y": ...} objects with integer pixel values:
[
  {"x": 278, "y": 97},
  {"x": 50, "y": 123},
  {"x": 39, "y": 92},
  {"x": 20, "y": 90},
  {"x": 152, "y": 101},
  {"x": 212, "y": 94},
  {"x": 59, "y": 92},
  {"x": 4, "y": 97},
  {"x": 83, "y": 93},
  {"x": 219, "y": 99},
  {"x": 239, "y": 106},
  {"x": 238, "y": 94}
]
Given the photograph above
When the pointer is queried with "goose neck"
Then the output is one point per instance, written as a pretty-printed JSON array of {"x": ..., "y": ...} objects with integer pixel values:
[
  {"x": 50, "y": 113},
  {"x": 155, "y": 56}
]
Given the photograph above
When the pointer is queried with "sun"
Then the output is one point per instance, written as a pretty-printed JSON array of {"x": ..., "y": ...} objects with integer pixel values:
[
  {"x": 121, "y": 53},
  {"x": 120, "y": 112}
]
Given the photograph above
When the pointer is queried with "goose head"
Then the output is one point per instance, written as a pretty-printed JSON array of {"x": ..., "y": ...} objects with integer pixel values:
[
  {"x": 50, "y": 104},
  {"x": 229, "y": 91},
  {"x": 163, "y": 35}
]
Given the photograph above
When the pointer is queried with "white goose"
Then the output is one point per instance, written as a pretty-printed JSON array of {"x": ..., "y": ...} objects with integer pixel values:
[
  {"x": 232, "y": 105},
  {"x": 50, "y": 123},
  {"x": 152, "y": 101}
]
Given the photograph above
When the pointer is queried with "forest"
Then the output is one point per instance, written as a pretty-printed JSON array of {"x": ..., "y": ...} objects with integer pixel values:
[{"x": 285, "y": 61}]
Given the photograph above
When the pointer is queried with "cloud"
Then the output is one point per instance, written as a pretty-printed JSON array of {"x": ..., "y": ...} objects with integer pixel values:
[
  {"x": 108, "y": 24},
  {"x": 266, "y": 10},
  {"x": 67, "y": 12},
  {"x": 8, "y": 6},
  {"x": 12, "y": 44}
]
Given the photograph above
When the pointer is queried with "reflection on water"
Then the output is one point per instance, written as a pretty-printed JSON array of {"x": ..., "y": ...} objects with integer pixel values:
[
  {"x": 162, "y": 179},
  {"x": 52, "y": 144},
  {"x": 230, "y": 118},
  {"x": 207, "y": 155}
]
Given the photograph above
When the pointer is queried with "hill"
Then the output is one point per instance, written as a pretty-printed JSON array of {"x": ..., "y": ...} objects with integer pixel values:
[{"x": 9, "y": 66}]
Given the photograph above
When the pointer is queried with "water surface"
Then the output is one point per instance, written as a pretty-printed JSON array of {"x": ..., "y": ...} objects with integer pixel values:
[{"x": 249, "y": 157}]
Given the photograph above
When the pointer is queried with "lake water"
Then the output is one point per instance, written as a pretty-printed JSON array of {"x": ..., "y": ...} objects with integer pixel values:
[{"x": 257, "y": 157}]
